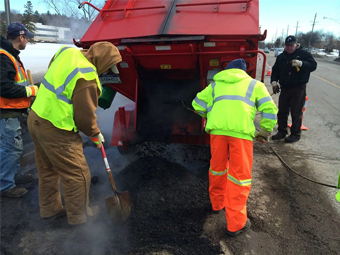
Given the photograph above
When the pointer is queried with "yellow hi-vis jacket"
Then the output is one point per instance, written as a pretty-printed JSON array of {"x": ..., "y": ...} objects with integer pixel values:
[
  {"x": 230, "y": 103},
  {"x": 54, "y": 100},
  {"x": 20, "y": 79}
]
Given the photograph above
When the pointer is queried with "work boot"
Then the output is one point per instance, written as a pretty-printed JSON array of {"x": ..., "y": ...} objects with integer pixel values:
[
  {"x": 245, "y": 228},
  {"x": 278, "y": 136},
  {"x": 217, "y": 211},
  {"x": 14, "y": 192},
  {"x": 21, "y": 178},
  {"x": 292, "y": 138},
  {"x": 60, "y": 214}
]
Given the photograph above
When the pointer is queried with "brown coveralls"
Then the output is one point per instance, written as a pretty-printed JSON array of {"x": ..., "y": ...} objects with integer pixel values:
[{"x": 59, "y": 153}]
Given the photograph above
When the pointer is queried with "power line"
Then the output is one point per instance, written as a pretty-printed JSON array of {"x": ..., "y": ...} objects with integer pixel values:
[{"x": 336, "y": 20}]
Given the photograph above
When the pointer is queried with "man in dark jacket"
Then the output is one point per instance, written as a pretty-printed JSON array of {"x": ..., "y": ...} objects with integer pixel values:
[
  {"x": 15, "y": 98},
  {"x": 291, "y": 70}
]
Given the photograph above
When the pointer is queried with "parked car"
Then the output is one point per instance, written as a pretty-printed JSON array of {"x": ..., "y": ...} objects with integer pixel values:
[
  {"x": 278, "y": 51},
  {"x": 272, "y": 49},
  {"x": 266, "y": 50}
]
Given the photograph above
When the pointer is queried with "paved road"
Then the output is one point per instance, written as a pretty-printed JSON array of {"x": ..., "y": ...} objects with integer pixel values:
[{"x": 290, "y": 214}]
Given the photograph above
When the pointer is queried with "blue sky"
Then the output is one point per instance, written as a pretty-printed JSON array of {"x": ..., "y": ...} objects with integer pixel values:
[{"x": 275, "y": 15}]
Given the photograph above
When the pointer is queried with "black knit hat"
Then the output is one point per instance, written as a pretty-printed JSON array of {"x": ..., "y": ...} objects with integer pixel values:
[{"x": 237, "y": 63}]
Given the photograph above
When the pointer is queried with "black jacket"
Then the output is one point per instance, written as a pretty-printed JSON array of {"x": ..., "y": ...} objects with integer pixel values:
[
  {"x": 8, "y": 88},
  {"x": 287, "y": 75}
]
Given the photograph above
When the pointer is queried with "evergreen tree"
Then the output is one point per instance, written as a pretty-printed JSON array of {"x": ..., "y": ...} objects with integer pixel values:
[
  {"x": 28, "y": 17},
  {"x": 36, "y": 16},
  {"x": 3, "y": 28}
]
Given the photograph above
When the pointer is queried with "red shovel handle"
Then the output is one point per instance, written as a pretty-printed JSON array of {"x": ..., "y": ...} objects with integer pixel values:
[{"x": 108, "y": 169}]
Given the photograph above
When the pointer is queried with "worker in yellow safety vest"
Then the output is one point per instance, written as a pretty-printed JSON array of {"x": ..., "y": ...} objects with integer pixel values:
[
  {"x": 229, "y": 103},
  {"x": 15, "y": 99},
  {"x": 337, "y": 196},
  {"x": 66, "y": 104}
]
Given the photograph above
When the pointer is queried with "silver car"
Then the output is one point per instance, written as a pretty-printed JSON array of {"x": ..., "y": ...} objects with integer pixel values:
[{"x": 278, "y": 51}]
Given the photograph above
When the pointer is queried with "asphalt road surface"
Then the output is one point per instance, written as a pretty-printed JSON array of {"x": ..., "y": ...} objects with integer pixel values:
[{"x": 168, "y": 187}]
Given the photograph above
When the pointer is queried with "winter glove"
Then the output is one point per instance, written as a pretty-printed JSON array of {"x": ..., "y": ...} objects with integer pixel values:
[
  {"x": 296, "y": 62},
  {"x": 275, "y": 87},
  {"x": 31, "y": 90},
  {"x": 262, "y": 136},
  {"x": 98, "y": 139}
]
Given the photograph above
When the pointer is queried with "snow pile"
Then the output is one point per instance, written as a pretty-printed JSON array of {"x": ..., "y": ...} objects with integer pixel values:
[{"x": 36, "y": 57}]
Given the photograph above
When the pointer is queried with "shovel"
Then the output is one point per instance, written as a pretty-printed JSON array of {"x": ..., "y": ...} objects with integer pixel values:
[
  {"x": 183, "y": 103},
  {"x": 118, "y": 206},
  {"x": 30, "y": 77}
]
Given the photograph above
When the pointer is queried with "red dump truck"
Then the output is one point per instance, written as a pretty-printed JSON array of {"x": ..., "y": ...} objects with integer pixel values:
[{"x": 171, "y": 49}]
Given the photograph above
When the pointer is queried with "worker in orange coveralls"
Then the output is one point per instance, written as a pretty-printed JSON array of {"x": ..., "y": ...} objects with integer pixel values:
[
  {"x": 229, "y": 104},
  {"x": 67, "y": 104}
]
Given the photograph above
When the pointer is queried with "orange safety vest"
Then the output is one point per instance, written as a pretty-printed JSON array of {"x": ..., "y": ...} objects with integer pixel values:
[{"x": 20, "y": 79}]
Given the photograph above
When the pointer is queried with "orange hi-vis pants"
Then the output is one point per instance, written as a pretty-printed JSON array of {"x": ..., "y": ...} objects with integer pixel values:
[{"x": 230, "y": 177}]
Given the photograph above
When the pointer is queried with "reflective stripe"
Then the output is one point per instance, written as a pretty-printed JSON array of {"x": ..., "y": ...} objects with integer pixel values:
[
  {"x": 213, "y": 89},
  {"x": 250, "y": 89},
  {"x": 239, "y": 182},
  {"x": 218, "y": 173},
  {"x": 239, "y": 98},
  {"x": 263, "y": 100},
  {"x": 270, "y": 116},
  {"x": 23, "y": 83},
  {"x": 22, "y": 80},
  {"x": 63, "y": 49},
  {"x": 245, "y": 99},
  {"x": 61, "y": 89},
  {"x": 200, "y": 102}
]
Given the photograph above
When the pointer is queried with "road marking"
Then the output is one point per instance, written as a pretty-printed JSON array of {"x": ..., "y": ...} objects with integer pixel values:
[
  {"x": 326, "y": 81},
  {"x": 328, "y": 67}
]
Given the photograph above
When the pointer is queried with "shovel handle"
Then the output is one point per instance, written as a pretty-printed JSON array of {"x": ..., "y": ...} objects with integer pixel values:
[
  {"x": 30, "y": 77},
  {"x": 108, "y": 169}
]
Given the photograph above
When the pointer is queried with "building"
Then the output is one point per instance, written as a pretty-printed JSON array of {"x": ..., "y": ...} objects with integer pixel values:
[{"x": 47, "y": 33}]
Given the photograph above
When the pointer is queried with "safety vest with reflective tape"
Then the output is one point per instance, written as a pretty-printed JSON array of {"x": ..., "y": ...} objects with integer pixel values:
[
  {"x": 54, "y": 100},
  {"x": 230, "y": 107},
  {"x": 20, "y": 79}
]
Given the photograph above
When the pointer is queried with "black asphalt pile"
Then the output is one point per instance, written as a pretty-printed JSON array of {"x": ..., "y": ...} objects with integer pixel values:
[{"x": 169, "y": 208}]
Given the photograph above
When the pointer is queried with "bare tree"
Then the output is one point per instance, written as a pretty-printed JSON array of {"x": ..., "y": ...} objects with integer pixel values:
[
  {"x": 316, "y": 38},
  {"x": 329, "y": 41},
  {"x": 70, "y": 8}
]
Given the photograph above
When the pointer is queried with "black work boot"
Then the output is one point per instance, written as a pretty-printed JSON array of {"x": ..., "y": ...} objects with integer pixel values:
[
  {"x": 245, "y": 228},
  {"x": 14, "y": 192},
  {"x": 292, "y": 138},
  {"x": 216, "y": 211},
  {"x": 278, "y": 136},
  {"x": 23, "y": 178}
]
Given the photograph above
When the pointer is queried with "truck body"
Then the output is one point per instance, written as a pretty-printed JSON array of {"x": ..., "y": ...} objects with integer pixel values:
[{"x": 170, "y": 49}]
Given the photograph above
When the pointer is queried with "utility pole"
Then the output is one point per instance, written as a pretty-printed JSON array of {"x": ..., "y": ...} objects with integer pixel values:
[
  {"x": 287, "y": 30},
  {"x": 297, "y": 25},
  {"x": 8, "y": 11},
  {"x": 310, "y": 38}
]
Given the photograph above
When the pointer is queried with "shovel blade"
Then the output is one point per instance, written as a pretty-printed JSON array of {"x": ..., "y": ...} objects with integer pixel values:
[{"x": 119, "y": 207}]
